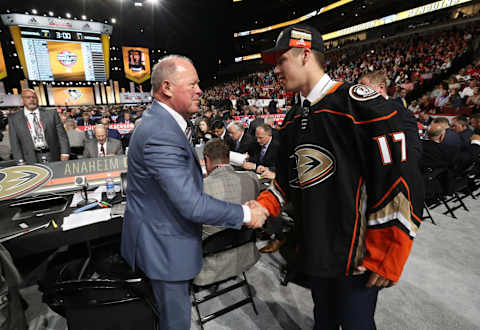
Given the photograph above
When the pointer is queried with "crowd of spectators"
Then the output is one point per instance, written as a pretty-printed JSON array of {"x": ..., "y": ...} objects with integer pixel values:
[
  {"x": 407, "y": 61},
  {"x": 460, "y": 93}
]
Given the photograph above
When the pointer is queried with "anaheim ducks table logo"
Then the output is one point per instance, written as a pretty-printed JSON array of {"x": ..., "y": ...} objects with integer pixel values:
[
  {"x": 314, "y": 165},
  {"x": 19, "y": 180}
]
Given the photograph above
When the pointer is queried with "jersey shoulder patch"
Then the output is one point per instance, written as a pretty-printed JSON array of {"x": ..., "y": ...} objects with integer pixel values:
[{"x": 362, "y": 93}]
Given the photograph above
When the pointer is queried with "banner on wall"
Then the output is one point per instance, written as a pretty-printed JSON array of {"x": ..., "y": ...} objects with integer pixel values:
[
  {"x": 135, "y": 97},
  {"x": 136, "y": 63},
  {"x": 10, "y": 100},
  {"x": 73, "y": 96},
  {"x": 3, "y": 67},
  {"x": 245, "y": 120}
]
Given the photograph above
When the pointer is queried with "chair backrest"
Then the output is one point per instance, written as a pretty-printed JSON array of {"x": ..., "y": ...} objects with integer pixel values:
[{"x": 227, "y": 239}]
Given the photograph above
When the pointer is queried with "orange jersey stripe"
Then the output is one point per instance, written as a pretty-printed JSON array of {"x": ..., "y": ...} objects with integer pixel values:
[
  {"x": 335, "y": 87},
  {"x": 356, "y": 122},
  {"x": 71, "y": 179},
  {"x": 317, "y": 178}
]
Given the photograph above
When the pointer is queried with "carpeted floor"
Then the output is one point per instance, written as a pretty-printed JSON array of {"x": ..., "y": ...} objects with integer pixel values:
[{"x": 440, "y": 287}]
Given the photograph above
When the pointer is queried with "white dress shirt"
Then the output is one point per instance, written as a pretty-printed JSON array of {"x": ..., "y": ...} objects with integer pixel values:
[
  {"x": 247, "y": 216},
  {"x": 178, "y": 118},
  {"x": 99, "y": 147},
  {"x": 319, "y": 90},
  {"x": 29, "y": 116}
]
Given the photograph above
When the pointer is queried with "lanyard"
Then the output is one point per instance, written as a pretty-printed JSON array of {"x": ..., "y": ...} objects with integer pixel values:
[{"x": 39, "y": 141}]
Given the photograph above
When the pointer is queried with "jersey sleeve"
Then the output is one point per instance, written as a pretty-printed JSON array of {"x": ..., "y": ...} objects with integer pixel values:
[{"x": 391, "y": 221}]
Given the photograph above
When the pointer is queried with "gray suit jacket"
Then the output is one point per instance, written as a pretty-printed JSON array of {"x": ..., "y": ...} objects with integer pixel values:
[
  {"x": 236, "y": 187},
  {"x": 228, "y": 185},
  {"x": 114, "y": 147},
  {"x": 21, "y": 141}
]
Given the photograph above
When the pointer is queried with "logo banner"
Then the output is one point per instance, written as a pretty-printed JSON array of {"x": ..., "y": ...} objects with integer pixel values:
[{"x": 136, "y": 63}]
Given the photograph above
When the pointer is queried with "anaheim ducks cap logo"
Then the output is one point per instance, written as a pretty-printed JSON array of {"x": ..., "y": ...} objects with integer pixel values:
[
  {"x": 19, "y": 180},
  {"x": 314, "y": 165}
]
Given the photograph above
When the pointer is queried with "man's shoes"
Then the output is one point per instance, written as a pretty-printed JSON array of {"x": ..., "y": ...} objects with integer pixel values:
[
  {"x": 263, "y": 236},
  {"x": 273, "y": 246}
]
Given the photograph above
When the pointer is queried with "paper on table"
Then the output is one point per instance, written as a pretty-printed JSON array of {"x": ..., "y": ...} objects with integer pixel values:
[
  {"x": 86, "y": 218},
  {"x": 94, "y": 195},
  {"x": 237, "y": 159}
]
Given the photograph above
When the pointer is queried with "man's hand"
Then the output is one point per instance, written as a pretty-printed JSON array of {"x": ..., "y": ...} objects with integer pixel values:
[
  {"x": 64, "y": 157},
  {"x": 267, "y": 174},
  {"x": 248, "y": 165},
  {"x": 259, "y": 214},
  {"x": 374, "y": 279},
  {"x": 261, "y": 169}
]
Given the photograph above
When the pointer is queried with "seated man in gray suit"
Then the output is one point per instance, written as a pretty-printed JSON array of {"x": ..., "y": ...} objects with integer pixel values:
[
  {"x": 102, "y": 146},
  {"x": 223, "y": 182},
  {"x": 236, "y": 187}
]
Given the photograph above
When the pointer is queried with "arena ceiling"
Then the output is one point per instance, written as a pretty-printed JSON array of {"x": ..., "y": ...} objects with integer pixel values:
[{"x": 204, "y": 30}]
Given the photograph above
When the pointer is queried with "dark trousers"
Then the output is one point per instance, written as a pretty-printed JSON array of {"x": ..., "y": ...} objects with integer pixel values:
[
  {"x": 275, "y": 226},
  {"x": 343, "y": 301},
  {"x": 174, "y": 306}
]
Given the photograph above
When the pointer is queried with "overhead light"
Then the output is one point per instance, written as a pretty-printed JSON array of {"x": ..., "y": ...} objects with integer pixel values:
[
  {"x": 152, "y": 1},
  {"x": 34, "y": 11},
  {"x": 50, "y": 13},
  {"x": 68, "y": 15},
  {"x": 84, "y": 17},
  {"x": 113, "y": 20},
  {"x": 138, "y": 4}
]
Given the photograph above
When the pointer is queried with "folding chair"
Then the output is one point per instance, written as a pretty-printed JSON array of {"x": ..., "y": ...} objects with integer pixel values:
[
  {"x": 442, "y": 186},
  {"x": 220, "y": 244}
]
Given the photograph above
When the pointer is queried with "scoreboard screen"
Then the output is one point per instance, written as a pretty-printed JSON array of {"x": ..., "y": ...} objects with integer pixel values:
[{"x": 56, "y": 55}]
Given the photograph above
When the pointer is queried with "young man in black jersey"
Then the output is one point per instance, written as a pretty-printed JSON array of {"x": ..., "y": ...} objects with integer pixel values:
[{"x": 339, "y": 144}]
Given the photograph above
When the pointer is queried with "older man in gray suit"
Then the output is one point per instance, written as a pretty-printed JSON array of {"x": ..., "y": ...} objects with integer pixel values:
[
  {"x": 223, "y": 182},
  {"x": 102, "y": 146}
]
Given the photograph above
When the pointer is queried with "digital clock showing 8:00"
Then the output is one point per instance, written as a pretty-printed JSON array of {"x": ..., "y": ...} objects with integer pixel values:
[{"x": 63, "y": 35}]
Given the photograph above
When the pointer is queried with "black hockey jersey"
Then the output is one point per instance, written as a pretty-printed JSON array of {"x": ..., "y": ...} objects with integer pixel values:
[{"x": 344, "y": 165}]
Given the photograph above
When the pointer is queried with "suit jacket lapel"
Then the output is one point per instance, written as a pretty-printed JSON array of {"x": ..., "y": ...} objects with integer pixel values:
[
  {"x": 23, "y": 126},
  {"x": 179, "y": 131},
  {"x": 44, "y": 120}
]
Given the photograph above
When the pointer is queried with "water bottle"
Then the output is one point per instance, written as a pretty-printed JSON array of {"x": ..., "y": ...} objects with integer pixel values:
[{"x": 110, "y": 187}]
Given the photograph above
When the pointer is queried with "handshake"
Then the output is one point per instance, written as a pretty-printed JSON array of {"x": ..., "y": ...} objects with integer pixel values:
[{"x": 258, "y": 214}]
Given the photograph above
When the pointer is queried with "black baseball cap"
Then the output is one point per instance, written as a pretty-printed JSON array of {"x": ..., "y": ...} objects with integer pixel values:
[{"x": 295, "y": 36}]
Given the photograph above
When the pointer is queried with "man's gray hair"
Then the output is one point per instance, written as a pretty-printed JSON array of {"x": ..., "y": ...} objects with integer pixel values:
[
  {"x": 101, "y": 126},
  {"x": 163, "y": 70},
  {"x": 238, "y": 125}
]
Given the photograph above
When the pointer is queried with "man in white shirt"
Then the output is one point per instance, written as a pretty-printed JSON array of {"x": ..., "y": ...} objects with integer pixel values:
[
  {"x": 166, "y": 204},
  {"x": 242, "y": 143}
]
